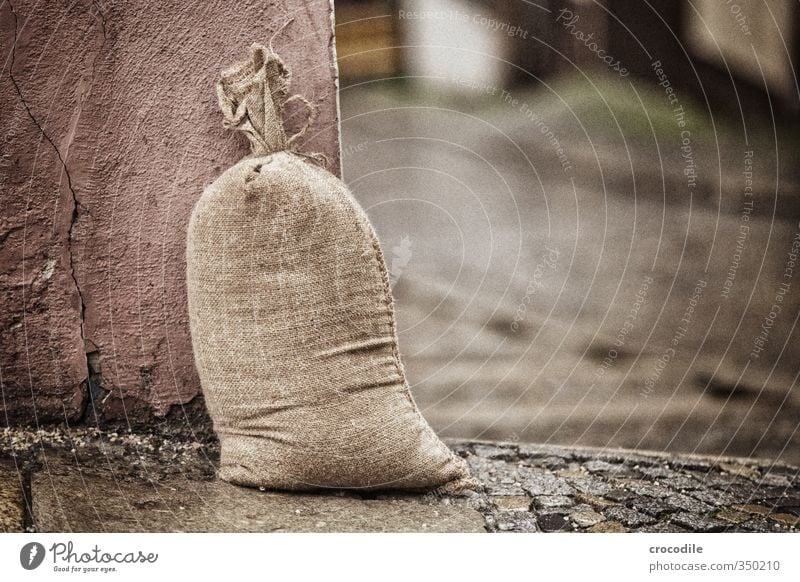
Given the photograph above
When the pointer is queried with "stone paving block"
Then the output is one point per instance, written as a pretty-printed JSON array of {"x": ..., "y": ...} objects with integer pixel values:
[
  {"x": 512, "y": 502},
  {"x": 713, "y": 496},
  {"x": 551, "y": 463},
  {"x": 769, "y": 493},
  {"x": 589, "y": 484},
  {"x": 698, "y": 523},
  {"x": 516, "y": 521},
  {"x": 641, "y": 487},
  {"x": 686, "y": 503},
  {"x": 595, "y": 501},
  {"x": 552, "y": 501},
  {"x": 680, "y": 483},
  {"x": 617, "y": 494},
  {"x": 654, "y": 507},
  {"x": 90, "y": 500},
  {"x": 496, "y": 451},
  {"x": 627, "y": 516},
  {"x": 586, "y": 518},
  {"x": 552, "y": 522},
  {"x": 540, "y": 482},
  {"x": 732, "y": 516},
  {"x": 12, "y": 503}
]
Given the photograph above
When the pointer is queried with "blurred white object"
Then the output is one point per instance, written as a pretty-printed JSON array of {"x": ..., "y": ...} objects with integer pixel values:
[{"x": 463, "y": 43}]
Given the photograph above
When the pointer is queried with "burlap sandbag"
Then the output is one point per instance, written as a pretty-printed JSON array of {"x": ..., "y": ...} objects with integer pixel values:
[{"x": 292, "y": 319}]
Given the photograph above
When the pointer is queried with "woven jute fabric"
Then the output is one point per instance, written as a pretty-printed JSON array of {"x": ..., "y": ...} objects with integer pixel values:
[{"x": 292, "y": 319}]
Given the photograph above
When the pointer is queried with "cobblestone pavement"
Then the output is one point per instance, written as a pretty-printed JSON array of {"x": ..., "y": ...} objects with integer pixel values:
[
  {"x": 88, "y": 480},
  {"x": 547, "y": 488}
]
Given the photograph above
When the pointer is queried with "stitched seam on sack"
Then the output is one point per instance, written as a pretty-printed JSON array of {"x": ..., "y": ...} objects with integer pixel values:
[{"x": 390, "y": 307}]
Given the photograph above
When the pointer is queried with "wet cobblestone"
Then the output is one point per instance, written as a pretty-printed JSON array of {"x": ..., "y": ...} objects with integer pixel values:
[{"x": 618, "y": 491}]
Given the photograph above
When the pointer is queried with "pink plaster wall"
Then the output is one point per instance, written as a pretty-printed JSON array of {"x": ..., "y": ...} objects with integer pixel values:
[{"x": 104, "y": 153}]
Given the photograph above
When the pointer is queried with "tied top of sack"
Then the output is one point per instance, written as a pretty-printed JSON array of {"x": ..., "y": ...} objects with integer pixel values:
[{"x": 253, "y": 95}]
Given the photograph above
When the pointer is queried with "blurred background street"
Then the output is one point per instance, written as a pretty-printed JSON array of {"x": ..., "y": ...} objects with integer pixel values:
[{"x": 592, "y": 239}]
